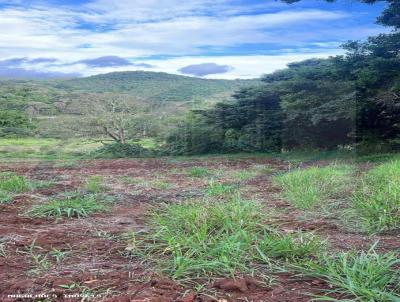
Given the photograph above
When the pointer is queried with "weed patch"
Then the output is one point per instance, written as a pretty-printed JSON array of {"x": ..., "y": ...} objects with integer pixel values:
[
  {"x": 198, "y": 172},
  {"x": 203, "y": 239},
  {"x": 363, "y": 276},
  {"x": 219, "y": 189},
  {"x": 289, "y": 247},
  {"x": 5, "y": 197},
  {"x": 244, "y": 175},
  {"x": 13, "y": 183},
  {"x": 306, "y": 188},
  {"x": 70, "y": 207},
  {"x": 377, "y": 199},
  {"x": 94, "y": 184}
]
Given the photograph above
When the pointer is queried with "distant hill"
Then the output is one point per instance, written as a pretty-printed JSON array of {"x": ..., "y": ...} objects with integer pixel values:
[
  {"x": 156, "y": 86},
  {"x": 49, "y": 103}
]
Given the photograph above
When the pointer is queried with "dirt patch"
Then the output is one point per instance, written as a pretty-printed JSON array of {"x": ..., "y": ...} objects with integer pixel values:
[{"x": 95, "y": 260}]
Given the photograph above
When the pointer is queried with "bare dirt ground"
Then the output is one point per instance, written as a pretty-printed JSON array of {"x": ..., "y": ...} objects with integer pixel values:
[{"x": 97, "y": 262}]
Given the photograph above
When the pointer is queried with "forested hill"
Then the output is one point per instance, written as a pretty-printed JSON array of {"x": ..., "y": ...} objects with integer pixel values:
[
  {"x": 46, "y": 107},
  {"x": 157, "y": 86}
]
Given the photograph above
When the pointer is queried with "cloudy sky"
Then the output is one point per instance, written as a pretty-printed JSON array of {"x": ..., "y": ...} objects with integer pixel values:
[{"x": 206, "y": 38}]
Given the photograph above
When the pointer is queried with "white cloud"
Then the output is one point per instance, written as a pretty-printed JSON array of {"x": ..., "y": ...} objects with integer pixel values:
[
  {"x": 145, "y": 28},
  {"x": 245, "y": 67}
]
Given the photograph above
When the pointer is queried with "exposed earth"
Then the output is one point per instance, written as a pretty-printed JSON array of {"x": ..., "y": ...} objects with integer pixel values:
[{"x": 96, "y": 260}]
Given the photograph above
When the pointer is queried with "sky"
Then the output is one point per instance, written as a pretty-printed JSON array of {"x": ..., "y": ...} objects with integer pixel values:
[{"x": 224, "y": 39}]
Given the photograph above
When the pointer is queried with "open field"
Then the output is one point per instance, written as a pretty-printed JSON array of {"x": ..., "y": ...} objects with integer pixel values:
[
  {"x": 216, "y": 228},
  {"x": 52, "y": 149}
]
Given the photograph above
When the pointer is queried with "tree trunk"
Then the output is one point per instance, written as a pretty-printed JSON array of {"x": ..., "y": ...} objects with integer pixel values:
[
  {"x": 114, "y": 137},
  {"x": 121, "y": 133}
]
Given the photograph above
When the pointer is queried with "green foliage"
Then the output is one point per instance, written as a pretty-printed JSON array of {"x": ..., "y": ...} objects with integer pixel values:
[
  {"x": 12, "y": 183},
  {"x": 118, "y": 150},
  {"x": 346, "y": 101},
  {"x": 14, "y": 124},
  {"x": 246, "y": 175},
  {"x": 377, "y": 199},
  {"x": 290, "y": 246},
  {"x": 198, "y": 172},
  {"x": 46, "y": 149},
  {"x": 69, "y": 207},
  {"x": 219, "y": 189},
  {"x": 307, "y": 188},
  {"x": 156, "y": 86},
  {"x": 5, "y": 197},
  {"x": 364, "y": 276},
  {"x": 94, "y": 184},
  {"x": 202, "y": 239},
  {"x": 193, "y": 136}
]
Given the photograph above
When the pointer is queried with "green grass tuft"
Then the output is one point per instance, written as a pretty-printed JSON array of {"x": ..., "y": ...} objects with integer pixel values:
[
  {"x": 70, "y": 207},
  {"x": 219, "y": 189},
  {"x": 291, "y": 246},
  {"x": 362, "y": 276},
  {"x": 244, "y": 175},
  {"x": 12, "y": 183},
  {"x": 306, "y": 188},
  {"x": 377, "y": 199},
  {"x": 5, "y": 197},
  {"x": 94, "y": 184},
  {"x": 203, "y": 239}
]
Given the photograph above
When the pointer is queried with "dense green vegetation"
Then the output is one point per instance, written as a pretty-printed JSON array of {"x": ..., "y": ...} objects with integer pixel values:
[
  {"x": 306, "y": 188},
  {"x": 203, "y": 239},
  {"x": 377, "y": 199},
  {"x": 150, "y": 102},
  {"x": 371, "y": 198},
  {"x": 359, "y": 276},
  {"x": 349, "y": 101},
  {"x": 157, "y": 86}
]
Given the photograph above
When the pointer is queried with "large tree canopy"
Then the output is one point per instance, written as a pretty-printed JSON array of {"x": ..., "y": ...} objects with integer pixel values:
[{"x": 349, "y": 100}]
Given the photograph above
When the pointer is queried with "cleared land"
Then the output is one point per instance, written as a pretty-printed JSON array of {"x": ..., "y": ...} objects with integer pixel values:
[{"x": 198, "y": 229}]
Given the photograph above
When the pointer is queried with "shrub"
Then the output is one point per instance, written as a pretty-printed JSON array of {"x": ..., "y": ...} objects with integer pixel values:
[
  {"x": 377, "y": 199},
  {"x": 117, "y": 150},
  {"x": 306, "y": 188}
]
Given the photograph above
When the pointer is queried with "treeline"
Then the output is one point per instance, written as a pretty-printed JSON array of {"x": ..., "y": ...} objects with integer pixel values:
[{"x": 350, "y": 101}]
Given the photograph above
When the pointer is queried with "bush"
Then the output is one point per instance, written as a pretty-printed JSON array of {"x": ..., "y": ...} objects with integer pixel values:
[
  {"x": 14, "y": 124},
  {"x": 117, "y": 150},
  {"x": 306, "y": 188},
  {"x": 377, "y": 199}
]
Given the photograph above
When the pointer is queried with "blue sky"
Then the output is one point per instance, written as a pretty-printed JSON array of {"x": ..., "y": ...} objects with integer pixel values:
[{"x": 207, "y": 38}]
